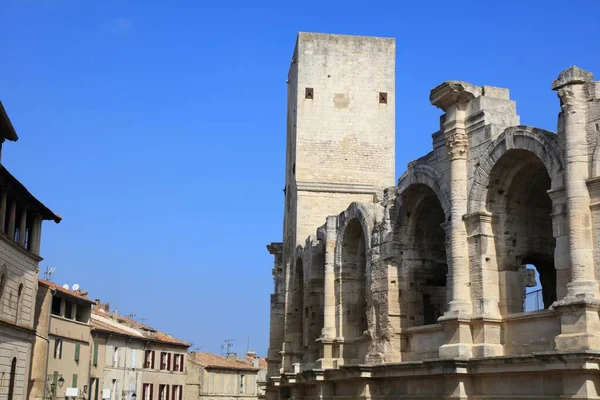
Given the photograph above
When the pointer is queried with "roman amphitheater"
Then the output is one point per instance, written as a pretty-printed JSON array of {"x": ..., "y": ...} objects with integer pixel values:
[{"x": 424, "y": 288}]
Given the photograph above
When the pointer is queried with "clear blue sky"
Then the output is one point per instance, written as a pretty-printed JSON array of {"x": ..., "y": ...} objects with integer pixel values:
[{"x": 157, "y": 128}]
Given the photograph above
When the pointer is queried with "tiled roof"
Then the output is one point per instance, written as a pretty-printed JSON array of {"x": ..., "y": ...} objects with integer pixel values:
[
  {"x": 105, "y": 321},
  {"x": 209, "y": 360},
  {"x": 262, "y": 363},
  {"x": 60, "y": 289}
]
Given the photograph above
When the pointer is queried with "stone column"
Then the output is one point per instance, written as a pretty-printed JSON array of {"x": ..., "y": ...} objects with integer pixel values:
[
  {"x": 3, "y": 198},
  {"x": 12, "y": 216},
  {"x": 23, "y": 226},
  {"x": 328, "y": 332},
  {"x": 34, "y": 234},
  {"x": 453, "y": 97},
  {"x": 578, "y": 310},
  {"x": 574, "y": 102}
]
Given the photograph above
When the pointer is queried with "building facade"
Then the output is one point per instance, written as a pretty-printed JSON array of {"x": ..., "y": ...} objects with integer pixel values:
[
  {"x": 21, "y": 216},
  {"x": 211, "y": 377},
  {"x": 417, "y": 289},
  {"x": 60, "y": 363},
  {"x": 134, "y": 361}
]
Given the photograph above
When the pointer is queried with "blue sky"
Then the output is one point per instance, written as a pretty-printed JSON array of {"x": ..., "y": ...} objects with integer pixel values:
[{"x": 157, "y": 129}]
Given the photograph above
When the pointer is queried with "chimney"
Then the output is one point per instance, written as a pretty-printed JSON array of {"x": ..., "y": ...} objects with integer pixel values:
[
  {"x": 232, "y": 357},
  {"x": 102, "y": 306},
  {"x": 251, "y": 354}
]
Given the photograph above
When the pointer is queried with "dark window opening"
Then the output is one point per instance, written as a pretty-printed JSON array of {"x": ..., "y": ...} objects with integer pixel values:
[
  {"x": 309, "y": 93},
  {"x": 382, "y": 98},
  {"x": 56, "y": 305}
]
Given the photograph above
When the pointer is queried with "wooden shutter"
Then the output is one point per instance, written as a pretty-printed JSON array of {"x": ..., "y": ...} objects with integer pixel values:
[
  {"x": 168, "y": 361},
  {"x": 180, "y": 390},
  {"x": 95, "y": 357},
  {"x": 173, "y": 389},
  {"x": 77, "y": 350},
  {"x": 181, "y": 363},
  {"x": 152, "y": 384},
  {"x": 74, "y": 380},
  {"x": 152, "y": 365},
  {"x": 55, "y": 382},
  {"x": 56, "y": 347}
]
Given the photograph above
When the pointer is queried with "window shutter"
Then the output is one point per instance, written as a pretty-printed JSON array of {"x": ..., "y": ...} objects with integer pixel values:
[
  {"x": 55, "y": 347},
  {"x": 95, "y": 358},
  {"x": 60, "y": 348},
  {"x": 180, "y": 391},
  {"x": 168, "y": 361},
  {"x": 55, "y": 382},
  {"x": 74, "y": 380},
  {"x": 152, "y": 384},
  {"x": 173, "y": 388},
  {"x": 152, "y": 367},
  {"x": 181, "y": 364},
  {"x": 133, "y": 358},
  {"x": 77, "y": 350}
]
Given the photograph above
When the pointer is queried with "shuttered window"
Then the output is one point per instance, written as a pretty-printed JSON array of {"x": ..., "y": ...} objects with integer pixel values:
[
  {"x": 77, "y": 350},
  {"x": 133, "y": 358},
  {"x": 74, "y": 380},
  {"x": 95, "y": 356}
]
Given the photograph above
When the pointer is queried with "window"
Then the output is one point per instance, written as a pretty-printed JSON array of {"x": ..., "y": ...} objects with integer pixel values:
[
  {"x": 77, "y": 350},
  {"x": 12, "y": 379},
  {"x": 163, "y": 361},
  {"x": 149, "y": 359},
  {"x": 133, "y": 363},
  {"x": 132, "y": 390},
  {"x": 56, "y": 302},
  {"x": 68, "y": 310},
  {"x": 147, "y": 390},
  {"x": 95, "y": 356},
  {"x": 58, "y": 344},
  {"x": 19, "y": 300},
  {"x": 176, "y": 362},
  {"x": 241, "y": 388},
  {"x": 116, "y": 357},
  {"x": 177, "y": 392},
  {"x": 2, "y": 284},
  {"x": 163, "y": 392},
  {"x": 115, "y": 390}
]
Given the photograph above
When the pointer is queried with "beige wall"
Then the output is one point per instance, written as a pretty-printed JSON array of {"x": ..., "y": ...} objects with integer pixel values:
[
  {"x": 16, "y": 313},
  {"x": 213, "y": 383}
]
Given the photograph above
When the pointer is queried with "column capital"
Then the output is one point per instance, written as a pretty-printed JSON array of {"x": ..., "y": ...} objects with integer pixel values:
[
  {"x": 457, "y": 144},
  {"x": 570, "y": 76}
]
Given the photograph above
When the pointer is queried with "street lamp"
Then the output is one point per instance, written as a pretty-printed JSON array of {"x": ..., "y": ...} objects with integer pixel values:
[
  {"x": 61, "y": 382},
  {"x": 133, "y": 396}
]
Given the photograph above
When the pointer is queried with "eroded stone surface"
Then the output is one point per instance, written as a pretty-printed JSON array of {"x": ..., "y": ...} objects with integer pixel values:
[{"x": 419, "y": 290}]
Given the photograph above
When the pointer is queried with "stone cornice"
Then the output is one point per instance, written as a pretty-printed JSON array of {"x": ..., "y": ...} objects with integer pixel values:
[
  {"x": 335, "y": 187},
  {"x": 452, "y": 92}
]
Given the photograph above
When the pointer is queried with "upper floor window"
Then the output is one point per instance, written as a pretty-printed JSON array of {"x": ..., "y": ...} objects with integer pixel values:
[
  {"x": 58, "y": 345},
  {"x": 2, "y": 284},
  {"x": 165, "y": 361},
  {"x": 116, "y": 357},
  {"x": 19, "y": 300},
  {"x": 149, "y": 359}
]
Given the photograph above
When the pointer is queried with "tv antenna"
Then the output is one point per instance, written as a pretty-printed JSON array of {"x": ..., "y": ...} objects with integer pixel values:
[
  {"x": 226, "y": 347},
  {"x": 48, "y": 273},
  {"x": 75, "y": 287}
]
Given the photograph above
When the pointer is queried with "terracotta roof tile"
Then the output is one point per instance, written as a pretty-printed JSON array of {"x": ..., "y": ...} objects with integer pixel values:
[
  {"x": 131, "y": 328},
  {"x": 60, "y": 289},
  {"x": 214, "y": 361}
]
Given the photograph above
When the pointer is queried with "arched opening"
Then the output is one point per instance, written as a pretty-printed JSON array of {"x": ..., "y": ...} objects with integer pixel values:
[
  {"x": 352, "y": 283},
  {"x": 12, "y": 380},
  {"x": 314, "y": 304},
  {"x": 522, "y": 208},
  {"x": 423, "y": 294},
  {"x": 298, "y": 305},
  {"x": 2, "y": 284}
]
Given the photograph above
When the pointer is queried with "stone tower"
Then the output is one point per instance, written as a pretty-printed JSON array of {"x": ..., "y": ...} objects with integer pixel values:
[{"x": 340, "y": 128}]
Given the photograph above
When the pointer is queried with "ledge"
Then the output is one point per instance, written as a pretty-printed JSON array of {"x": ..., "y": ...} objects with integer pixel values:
[{"x": 335, "y": 187}]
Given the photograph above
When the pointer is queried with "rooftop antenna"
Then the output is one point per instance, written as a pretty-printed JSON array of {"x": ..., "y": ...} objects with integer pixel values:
[
  {"x": 226, "y": 347},
  {"x": 248, "y": 345},
  {"x": 142, "y": 320},
  {"x": 48, "y": 273}
]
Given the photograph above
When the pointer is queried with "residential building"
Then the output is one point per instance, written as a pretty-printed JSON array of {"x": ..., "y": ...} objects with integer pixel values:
[
  {"x": 60, "y": 365},
  {"x": 133, "y": 361},
  {"x": 21, "y": 216},
  {"x": 212, "y": 377}
]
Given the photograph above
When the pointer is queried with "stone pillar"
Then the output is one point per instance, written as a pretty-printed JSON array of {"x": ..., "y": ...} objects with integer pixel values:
[
  {"x": 34, "y": 233},
  {"x": 328, "y": 332},
  {"x": 12, "y": 216},
  {"x": 23, "y": 226},
  {"x": 574, "y": 102},
  {"x": 452, "y": 97},
  {"x": 3, "y": 198},
  {"x": 580, "y": 322}
]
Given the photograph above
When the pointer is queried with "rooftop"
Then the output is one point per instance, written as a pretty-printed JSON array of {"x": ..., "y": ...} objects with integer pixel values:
[
  {"x": 209, "y": 360},
  {"x": 63, "y": 291}
]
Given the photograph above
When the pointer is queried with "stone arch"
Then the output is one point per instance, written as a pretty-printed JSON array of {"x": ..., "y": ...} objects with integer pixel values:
[
  {"x": 541, "y": 143},
  {"x": 428, "y": 176}
]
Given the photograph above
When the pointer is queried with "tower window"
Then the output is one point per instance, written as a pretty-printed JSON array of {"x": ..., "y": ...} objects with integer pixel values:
[
  {"x": 382, "y": 97},
  {"x": 309, "y": 93}
]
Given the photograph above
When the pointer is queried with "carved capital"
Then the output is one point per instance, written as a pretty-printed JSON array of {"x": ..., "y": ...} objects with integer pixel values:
[{"x": 457, "y": 144}]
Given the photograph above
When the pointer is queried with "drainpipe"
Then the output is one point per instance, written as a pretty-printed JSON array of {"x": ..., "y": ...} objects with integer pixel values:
[{"x": 52, "y": 293}]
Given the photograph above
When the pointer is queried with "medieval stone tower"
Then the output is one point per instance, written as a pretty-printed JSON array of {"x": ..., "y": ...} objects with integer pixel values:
[{"x": 340, "y": 127}]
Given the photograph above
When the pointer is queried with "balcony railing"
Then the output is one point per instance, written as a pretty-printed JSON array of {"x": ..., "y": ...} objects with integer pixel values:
[{"x": 534, "y": 301}]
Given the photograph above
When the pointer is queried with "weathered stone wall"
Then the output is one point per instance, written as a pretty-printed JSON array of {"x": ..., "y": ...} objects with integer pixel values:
[{"x": 423, "y": 288}]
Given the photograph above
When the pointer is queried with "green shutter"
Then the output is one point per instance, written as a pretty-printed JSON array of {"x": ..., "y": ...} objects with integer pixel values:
[
  {"x": 74, "y": 380},
  {"x": 55, "y": 384},
  {"x": 77, "y": 348},
  {"x": 95, "y": 359}
]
